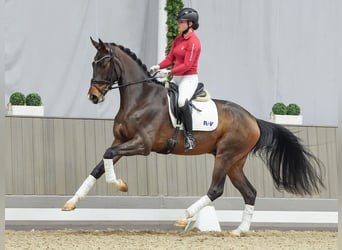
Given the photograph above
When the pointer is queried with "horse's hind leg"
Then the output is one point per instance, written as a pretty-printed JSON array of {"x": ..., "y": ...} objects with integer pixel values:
[
  {"x": 248, "y": 193},
  {"x": 215, "y": 191}
]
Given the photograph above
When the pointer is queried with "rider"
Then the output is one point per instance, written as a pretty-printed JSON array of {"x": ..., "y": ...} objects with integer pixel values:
[{"x": 184, "y": 53}]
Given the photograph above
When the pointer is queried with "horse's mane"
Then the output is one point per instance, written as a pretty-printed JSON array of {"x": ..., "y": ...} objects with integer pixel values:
[{"x": 132, "y": 55}]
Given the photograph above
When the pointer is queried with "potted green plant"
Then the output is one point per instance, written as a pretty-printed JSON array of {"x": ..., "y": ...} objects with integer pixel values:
[
  {"x": 292, "y": 109},
  {"x": 33, "y": 99},
  {"x": 17, "y": 98},
  {"x": 31, "y": 105},
  {"x": 287, "y": 115},
  {"x": 279, "y": 108}
]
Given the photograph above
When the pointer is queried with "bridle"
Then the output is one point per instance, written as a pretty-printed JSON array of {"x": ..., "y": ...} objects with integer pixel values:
[{"x": 113, "y": 84}]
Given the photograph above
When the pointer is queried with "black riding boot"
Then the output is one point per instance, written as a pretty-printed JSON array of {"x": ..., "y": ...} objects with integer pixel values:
[{"x": 189, "y": 140}]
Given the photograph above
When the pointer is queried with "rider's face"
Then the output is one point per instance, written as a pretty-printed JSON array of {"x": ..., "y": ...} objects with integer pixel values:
[{"x": 183, "y": 25}]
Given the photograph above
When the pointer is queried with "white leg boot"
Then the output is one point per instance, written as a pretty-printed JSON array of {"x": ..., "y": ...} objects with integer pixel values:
[
  {"x": 111, "y": 177},
  {"x": 80, "y": 194},
  {"x": 192, "y": 210},
  {"x": 246, "y": 221}
]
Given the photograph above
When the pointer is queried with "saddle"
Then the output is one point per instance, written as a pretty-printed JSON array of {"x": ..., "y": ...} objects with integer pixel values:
[
  {"x": 202, "y": 121},
  {"x": 200, "y": 95}
]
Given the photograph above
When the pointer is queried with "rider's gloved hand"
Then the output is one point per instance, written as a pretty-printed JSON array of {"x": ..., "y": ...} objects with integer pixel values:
[
  {"x": 164, "y": 73},
  {"x": 154, "y": 69}
]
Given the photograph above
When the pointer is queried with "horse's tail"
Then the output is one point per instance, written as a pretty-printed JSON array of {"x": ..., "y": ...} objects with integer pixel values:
[{"x": 292, "y": 166}]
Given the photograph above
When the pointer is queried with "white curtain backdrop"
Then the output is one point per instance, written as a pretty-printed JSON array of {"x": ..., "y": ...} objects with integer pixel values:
[
  {"x": 48, "y": 49},
  {"x": 257, "y": 53},
  {"x": 254, "y": 53}
]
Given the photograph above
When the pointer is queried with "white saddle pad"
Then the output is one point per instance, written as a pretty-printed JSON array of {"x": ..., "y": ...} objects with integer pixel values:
[{"x": 206, "y": 120}]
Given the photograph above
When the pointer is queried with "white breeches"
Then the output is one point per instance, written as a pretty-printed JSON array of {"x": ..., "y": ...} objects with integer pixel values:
[{"x": 187, "y": 86}]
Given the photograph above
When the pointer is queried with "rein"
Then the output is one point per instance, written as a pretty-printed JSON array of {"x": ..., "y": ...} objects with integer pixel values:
[{"x": 116, "y": 82}]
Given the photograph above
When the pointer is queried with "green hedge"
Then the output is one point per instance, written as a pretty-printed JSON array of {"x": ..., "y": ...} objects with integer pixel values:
[{"x": 172, "y": 8}]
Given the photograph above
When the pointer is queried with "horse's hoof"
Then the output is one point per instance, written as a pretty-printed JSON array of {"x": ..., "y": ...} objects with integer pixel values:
[
  {"x": 238, "y": 232},
  {"x": 121, "y": 185},
  {"x": 69, "y": 206},
  {"x": 234, "y": 234},
  {"x": 181, "y": 223}
]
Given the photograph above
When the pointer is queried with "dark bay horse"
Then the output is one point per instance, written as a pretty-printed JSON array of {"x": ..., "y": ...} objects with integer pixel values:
[{"x": 142, "y": 125}]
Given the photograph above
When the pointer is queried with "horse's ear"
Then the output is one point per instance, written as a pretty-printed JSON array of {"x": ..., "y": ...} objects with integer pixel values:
[
  {"x": 96, "y": 44},
  {"x": 102, "y": 45}
]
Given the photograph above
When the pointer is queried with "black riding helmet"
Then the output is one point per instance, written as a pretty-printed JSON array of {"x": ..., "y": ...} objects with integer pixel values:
[{"x": 189, "y": 14}]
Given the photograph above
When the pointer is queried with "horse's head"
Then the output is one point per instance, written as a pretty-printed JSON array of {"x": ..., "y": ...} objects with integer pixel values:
[{"x": 104, "y": 72}]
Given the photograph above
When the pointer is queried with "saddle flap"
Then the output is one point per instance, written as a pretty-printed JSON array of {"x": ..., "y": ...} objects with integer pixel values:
[{"x": 204, "y": 117}]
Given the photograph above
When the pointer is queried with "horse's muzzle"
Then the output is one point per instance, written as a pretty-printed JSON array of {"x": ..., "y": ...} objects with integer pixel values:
[{"x": 94, "y": 99}]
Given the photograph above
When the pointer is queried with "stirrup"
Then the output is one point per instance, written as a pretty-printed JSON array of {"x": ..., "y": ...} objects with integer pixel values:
[{"x": 189, "y": 142}]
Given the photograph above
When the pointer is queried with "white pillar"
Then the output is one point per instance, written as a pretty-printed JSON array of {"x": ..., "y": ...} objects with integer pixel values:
[
  {"x": 339, "y": 157},
  {"x": 162, "y": 29},
  {"x": 2, "y": 125},
  {"x": 339, "y": 128}
]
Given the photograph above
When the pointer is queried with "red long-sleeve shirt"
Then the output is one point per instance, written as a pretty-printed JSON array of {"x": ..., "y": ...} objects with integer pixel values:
[{"x": 185, "y": 52}]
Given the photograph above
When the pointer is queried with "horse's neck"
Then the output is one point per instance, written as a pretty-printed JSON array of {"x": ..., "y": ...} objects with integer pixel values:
[
  {"x": 140, "y": 94},
  {"x": 131, "y": 71},
  {"x": 140, "y": 89},
  {"x": 136, "y": 95}
]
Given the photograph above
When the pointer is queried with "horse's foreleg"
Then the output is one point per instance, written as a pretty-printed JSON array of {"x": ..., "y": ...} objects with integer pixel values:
[
  {"x": 131, "y": 147},
  {"x": 111, "y": 176},
  {"x": 84, "y": 189},
  {"x": 111, "y": 156},
  {"x": 248, "y": 192},
  {"x": 80, "y": 193},
  {"x": 87, "y": 185}
]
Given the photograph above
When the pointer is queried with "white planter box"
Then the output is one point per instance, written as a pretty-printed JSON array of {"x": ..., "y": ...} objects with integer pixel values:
[
  {"x": 287, "y": 119},
  {"x": 25, "y": 110}
]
